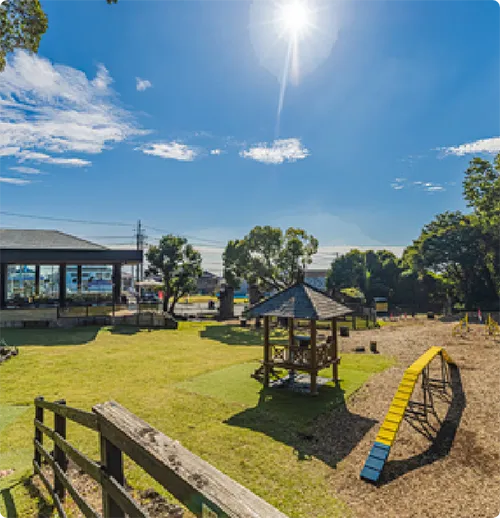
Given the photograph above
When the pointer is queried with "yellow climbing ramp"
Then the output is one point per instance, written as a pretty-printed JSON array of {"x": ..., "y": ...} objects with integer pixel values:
[{"x": 387, "y": 433}]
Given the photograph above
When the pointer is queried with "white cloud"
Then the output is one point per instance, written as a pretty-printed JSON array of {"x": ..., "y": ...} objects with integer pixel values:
[
  {"x": 489, "y": 145},
  {"x": 50, "y": 108},
  {"x": 173, "y": 150},
  {"x": 42, "y": 157},
  {"x": 14, "y": 181},
  {"x": 216, "y": 151},
  {"x": 397, "y": 186},
  {"x": 142, "y": 84},
  {"x": 278, "y": 152},
  {"x": 26, "y": 170}
]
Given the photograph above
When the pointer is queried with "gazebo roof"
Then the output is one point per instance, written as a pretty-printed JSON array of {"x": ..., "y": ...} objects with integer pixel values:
[{"x": 299, "y": 301}]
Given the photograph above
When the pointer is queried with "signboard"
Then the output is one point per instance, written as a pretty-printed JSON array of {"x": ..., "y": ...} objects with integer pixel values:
[{"x": 382, "y": 307}]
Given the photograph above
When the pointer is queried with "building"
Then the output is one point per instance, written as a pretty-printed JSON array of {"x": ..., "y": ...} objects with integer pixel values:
[
  {"x": 208, "y": 283},
  {"x": 50, "y": 264}
]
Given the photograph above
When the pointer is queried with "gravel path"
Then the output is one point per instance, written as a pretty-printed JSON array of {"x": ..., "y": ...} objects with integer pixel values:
[{"x": 458, "y": 476}]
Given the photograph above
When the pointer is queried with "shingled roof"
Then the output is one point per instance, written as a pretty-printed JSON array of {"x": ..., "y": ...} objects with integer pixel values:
[
  {"x": 299, "y": 301},
  {"x": 43, "y": 239}
]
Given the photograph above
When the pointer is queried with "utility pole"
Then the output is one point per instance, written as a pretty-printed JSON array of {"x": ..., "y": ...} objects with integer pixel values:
[{"x": 140, "y": 242}]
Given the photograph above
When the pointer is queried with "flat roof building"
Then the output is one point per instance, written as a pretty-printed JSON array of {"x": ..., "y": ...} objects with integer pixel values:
[{"x": 51, "y": 264}]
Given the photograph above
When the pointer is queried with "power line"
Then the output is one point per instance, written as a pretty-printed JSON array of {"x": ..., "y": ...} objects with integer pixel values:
[{"x": 67, "y": 220}]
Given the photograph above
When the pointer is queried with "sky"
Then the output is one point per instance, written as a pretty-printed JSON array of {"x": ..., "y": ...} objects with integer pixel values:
[{"x": 170, "y": 112}]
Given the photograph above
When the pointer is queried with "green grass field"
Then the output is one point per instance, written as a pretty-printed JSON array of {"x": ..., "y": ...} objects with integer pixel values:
[{"x": 192, "y": 384}]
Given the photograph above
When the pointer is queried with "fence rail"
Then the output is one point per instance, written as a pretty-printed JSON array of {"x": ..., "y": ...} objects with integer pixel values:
[{"x": 204, "y": 490}]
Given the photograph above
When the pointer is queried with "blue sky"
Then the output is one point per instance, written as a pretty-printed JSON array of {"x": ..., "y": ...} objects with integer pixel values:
[{"x": 167, "y": 111}]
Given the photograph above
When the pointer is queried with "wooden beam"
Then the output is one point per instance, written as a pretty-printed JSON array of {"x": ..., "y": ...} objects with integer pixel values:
[
  {"x": 314, "y": 363},
  {"x": 335, "y": 352},
  {"x": 267, "y": 358},
  {"x": 197, "y": 484}
]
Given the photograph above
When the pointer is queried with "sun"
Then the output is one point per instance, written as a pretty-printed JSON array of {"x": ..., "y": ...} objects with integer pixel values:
[{"x": 294, "y": 17}]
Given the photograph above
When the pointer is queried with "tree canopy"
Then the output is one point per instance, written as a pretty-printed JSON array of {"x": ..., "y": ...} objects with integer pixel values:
[
  {"x": 456, "y": 257},
  {"x": 22, "y": 25},
  {"x": 269, "y": 257},
  {"x": 179, "y": 264}
]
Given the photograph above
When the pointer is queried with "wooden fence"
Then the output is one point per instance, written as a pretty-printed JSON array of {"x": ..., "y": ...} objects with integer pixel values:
[{"x": 204, "y": 490}]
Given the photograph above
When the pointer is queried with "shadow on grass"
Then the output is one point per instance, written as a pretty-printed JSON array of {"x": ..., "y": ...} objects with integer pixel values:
[
  {"x": 45, "y": 508},
  {"x": 10, "y": 506},
  {"x": 320, "y": 426},
  {"x": 443, "y": 441},
  {"x": 236, "y": 335},
  {"x": 49, "y": 337},
  {"x": 123, "y": 330}
]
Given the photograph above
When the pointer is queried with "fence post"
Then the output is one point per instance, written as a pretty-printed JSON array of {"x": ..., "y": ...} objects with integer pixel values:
[
  {"x": 112, "y": 464},
  {"x": 59, "y": 455},
  {"x": 38, "y": 433},
  {"x": 367, "y": 322},
  {"x": 354, "y": 322}
]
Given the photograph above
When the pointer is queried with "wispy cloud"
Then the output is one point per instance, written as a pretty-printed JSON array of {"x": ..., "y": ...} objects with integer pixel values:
[
  {"x": 433, "y": 187},
  {"x": 172, "y": 150},
  {"x": 142, "y": 84},
  {"x": 401, "y": 183},
  {"x": 489, "y": 145},
  {"x": 26, "y": 170},
  {"x": 14, "y": 181},
  {"x": 398, "y": 184},
  {"x": 216, "y": 151},
  {"x": 47, "y": 159},
  {"x": 278, "y": 152},
  {"x": 49, "y": 108}
]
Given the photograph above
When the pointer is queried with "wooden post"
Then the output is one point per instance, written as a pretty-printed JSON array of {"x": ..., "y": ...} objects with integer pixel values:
[
  {"x": 367, "y": 323},
  {"x": 335, "y": 352},
  {"x": 290, "y": 336},
  {"x": 266, "y": 352},
  {"x": 112, "y": 464},
  {"x": 59, "y": 455},
  {"x": 314, "y": 366},
  {"x": 38, "y": 433},
  {"x": 354, "y": 322}
]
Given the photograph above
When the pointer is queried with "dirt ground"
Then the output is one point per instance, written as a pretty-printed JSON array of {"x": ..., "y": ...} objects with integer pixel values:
[{"x": 456, "y": 472}]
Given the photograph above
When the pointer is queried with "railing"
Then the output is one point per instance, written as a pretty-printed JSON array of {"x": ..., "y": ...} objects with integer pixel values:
[
  {"x": 301, "y": 356},
  {"x": 205, "y": 491}
]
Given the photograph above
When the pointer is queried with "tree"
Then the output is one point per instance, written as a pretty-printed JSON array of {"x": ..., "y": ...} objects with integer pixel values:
[
  {"x": 269, "y": 257},
  {"x": 179, "y": 264},
  {"x": 22, "y": 25},
  {"x": 347, "y": 271}
]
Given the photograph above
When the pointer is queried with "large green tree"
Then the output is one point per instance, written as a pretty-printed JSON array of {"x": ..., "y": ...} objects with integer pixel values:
[
  {"x": 22, "y": 25},
  {"x": 179, "y": 264},
  {"x": 269, "y": 257}
]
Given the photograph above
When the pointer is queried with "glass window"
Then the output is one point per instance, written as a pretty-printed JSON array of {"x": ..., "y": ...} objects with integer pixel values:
[
  {"x": 49, "y": 281},
  {"x": 20, "y": 282},
  {"x": 97, "y": 278}
]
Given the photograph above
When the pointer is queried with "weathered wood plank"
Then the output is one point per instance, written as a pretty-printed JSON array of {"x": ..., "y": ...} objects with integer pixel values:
[
  {"x": 189, "y": 478},
  {"x": 55, "y": 498},
  {"x": 89, "y": 466},
  {"x": 80, "y": 502},
  {"x": 74, "y": 414}
]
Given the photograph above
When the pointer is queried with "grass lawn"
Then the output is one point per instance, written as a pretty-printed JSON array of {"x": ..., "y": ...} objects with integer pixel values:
[{"x": 192, "y": 384}]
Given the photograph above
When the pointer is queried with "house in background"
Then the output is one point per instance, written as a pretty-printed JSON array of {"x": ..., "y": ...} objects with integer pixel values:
[{"x": 208, "y": 283}]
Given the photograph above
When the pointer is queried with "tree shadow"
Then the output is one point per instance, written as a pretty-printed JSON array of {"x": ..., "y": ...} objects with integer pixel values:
[
  {"x": 443, "y": 440},
  {"x": 123, "y": 330},
  {"x": 236, "y": 335},
  {"x": 321, "y": 426},
  {"x": 49, "y": 337}
]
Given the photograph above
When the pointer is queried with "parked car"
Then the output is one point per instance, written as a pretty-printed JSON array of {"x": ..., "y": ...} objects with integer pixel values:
[{"x": 150, "y": 297}]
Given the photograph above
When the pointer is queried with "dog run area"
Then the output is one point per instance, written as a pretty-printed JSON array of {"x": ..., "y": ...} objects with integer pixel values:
[{"x": 452, "y": 471}]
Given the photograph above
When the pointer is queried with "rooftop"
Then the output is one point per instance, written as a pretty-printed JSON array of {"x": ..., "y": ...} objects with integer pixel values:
[
  {"x": 43, "y": 240},
  {"x": 300, "y": 301}
]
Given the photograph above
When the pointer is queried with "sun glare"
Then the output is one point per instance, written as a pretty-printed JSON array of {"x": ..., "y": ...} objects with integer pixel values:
[{"x": 295, "y": 17}]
